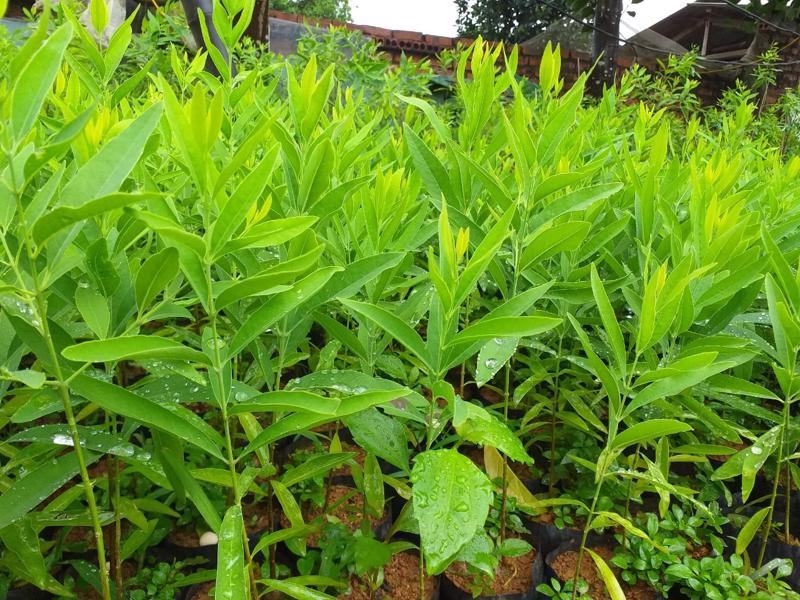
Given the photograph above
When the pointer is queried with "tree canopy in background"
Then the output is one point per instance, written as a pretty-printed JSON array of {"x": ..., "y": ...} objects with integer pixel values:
[
  {"x": 338, "y": 10},
  {"x": 509, "y": 20}
]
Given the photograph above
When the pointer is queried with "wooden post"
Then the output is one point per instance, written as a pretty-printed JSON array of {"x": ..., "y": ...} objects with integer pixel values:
[
  {"x": 259, "y": 26},
  {"x": 605, "y": 43}
]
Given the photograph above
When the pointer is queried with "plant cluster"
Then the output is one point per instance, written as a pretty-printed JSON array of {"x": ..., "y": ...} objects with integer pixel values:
[{"x": 527, "y": 304}]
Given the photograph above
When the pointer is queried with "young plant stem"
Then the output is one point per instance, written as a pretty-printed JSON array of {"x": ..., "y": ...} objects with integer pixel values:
[
  {"x": 504, "y": 491},
  {"x": 223, "y": 402},
  {"x": 628, "y": 496},
  {"x": 585, "y": 534},
  {"x": 429, "y": 425},
  {"x": 273, "y": 559},
  {"x": 421, "y": 576},
  {"x": 774, "y": 494},
  {"x": 114, "y": 488},
  {"x": 788, "y": 519},
  {"x": 329, "y": 477},
  {"x": 553, "y": 412},
  {"x": 76, "y": 442},
  {"x": 63, "y": 388},
  {"x": 464, "y": 364}
]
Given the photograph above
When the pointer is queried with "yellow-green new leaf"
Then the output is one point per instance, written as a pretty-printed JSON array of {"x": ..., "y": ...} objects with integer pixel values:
[{"x": 609, "y": 579}]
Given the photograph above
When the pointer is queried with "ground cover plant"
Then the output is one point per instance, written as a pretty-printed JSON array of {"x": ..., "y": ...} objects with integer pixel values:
[{"x": 304, "y": 330}]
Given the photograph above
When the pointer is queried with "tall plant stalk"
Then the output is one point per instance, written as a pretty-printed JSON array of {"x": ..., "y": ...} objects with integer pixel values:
[
  {"x": 782, "y": 443},
  {"x": 40, "y": 302}
]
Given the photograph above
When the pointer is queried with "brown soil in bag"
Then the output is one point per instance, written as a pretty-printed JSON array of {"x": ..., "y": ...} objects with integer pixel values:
[
  {"x": 513, "y": 575},
  {"x": 564, "y": 567}
]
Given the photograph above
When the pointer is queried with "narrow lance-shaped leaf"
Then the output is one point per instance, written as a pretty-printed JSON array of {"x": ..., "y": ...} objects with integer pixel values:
[
  {"x": 154, "y": 275},
  {"x": 133, "y": 347},
  {"x": 287, "y": 401},
  {"x": 394, "y": 326},
  {"x": 107, "y": 170},
  {"x": 173, "y": 419},
  {"x": 232, "y": 575},
  {"x": 35, "y": 81},
  {"x": 33, "y": 488},
  {"x": 748, "y": 532},
  {"x": 647, "y": 431},
  {"x": 610, "y": 323},
  {"x": 64, "y": 216},
  {"x": 278, "y": 306},
  {"x": 493, "y": 355},
  {"x": 609, "y": 579}
]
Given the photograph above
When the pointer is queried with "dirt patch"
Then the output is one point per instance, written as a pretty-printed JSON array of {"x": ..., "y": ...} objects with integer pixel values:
[
  {"x": 790, "y": 539},
  {"x": 401, "y": 578},
  {"x": 401, "y": 581},
  {"x": 564, "y": 567},
  {"x": 203, "y": 591},
  {"x": 513, "y": 576}
]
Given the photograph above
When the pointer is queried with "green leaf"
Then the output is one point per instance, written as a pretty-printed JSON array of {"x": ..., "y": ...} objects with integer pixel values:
[
  {"x": 610, "y": 323},
  {"x": 30, "y": 378},
  {"x": 559, "y": 123},
  {"x": 289, "y": 505},
  {"x": 574, "y": 201},
  {"x": 612, "y": 585},
  {"x": 380, "y": 435},
  {"x": 22, "y": 543},
  {"x": 287, "y": 401},
  {"x": 373, "y": 485},
  {"x": 169, "y": 418},
  {"x": 354, "y": 276},
  {"x": 63, "y": 216},
  {"x": 748, "y": 532},
  {"x": 35, "y": 81},
  {"x": 92, "y": 438},
  {"x": 677, "y": 381},
  {"x": 479, "y": 553},
  {"x": 132, "y": 347},
  {"x": 251, "y": 189},
  {"x": 278, "y": 306},
  {"x": 295, "y": 590},
  {"x": 451, "y": 499},
  {"x": 314, "y": 466},
  {"x": 430, "y": 168},
  {"x": 105, "y": 172},
  {"x": 475, "y": 424},
  {"x": 482, "y": 256},
  {"x": 394, "y": 326},
  {"x": 271, "y": 280},
  {"x": 298, "y": 422},
  {"x": 94, "y": 309},
  {"x": 281, "y": 535},
  {"x": 232, "y": 575},
  {"x": 316, "y": 174},
  {"x": 495, "y": 327},
  {"x": 514, "y": 547},
  {"x": 170, "y": 455},
  {"x": 268, "y": 233},
  {"x": 647, "y": 431},
  {"x": 158, "y": 271},
  {"x": 492, "y": 356},
  {"x": 563, "y": 237},
  {"x": 749, "y": 461},
  {"x": 98, "y": 13},
  {"x": 27, "y": 492}
]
